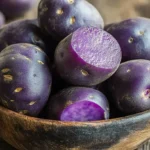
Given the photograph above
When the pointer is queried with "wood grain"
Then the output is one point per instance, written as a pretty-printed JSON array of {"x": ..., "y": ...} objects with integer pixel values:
[
  {"x": 134, "y": 140},
  {"x": 25, "y": 133},
  {"x": 5, "y": 146}
]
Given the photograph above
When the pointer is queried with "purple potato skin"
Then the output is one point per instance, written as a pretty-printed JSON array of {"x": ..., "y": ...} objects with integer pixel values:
[
  {"x": 15, "y": 8},
  {"x": 114, "y": 112},
  {"x": 21, "y": 31},
  {"x": 2, "y": 19},
  {"x": 130, "y": 86},
  {"x": 25, "y": 79},
  {"x": 72, "y": 95},
  {"x": 59, "y": 84},
  {"x": 87, "y": 57},
  {"x": 133, "y": 35},
  {"x": 60, "y": 18}
]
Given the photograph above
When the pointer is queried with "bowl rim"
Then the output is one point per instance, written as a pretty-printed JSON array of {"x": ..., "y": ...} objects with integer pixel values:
[{"x": 14, "y": 114}]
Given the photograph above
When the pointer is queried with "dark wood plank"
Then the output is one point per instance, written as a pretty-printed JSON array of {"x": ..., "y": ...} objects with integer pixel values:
[
  {"x": 5, "y": 146},
  {"x": 26, "y": 133}
]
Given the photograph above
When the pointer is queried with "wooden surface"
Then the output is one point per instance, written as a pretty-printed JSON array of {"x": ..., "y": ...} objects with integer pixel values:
[{"x": 26, "y": 133}]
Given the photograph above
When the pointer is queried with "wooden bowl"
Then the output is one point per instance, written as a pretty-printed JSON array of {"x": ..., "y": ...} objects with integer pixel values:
[{"x": 28, "y": 133}]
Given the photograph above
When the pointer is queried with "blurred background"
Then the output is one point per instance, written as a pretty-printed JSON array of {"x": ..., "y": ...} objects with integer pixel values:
[{"x": 114, "y": 10}]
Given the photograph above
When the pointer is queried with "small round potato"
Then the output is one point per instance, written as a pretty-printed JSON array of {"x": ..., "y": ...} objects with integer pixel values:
[
  {"x": 25, "y": 78},
  {"x": 21, "y": 31},
  {"x": 15, "y": 8},
  {"x": 130, "y": 86},
  {"x": 59, "y": 18},
  {"x": 87, "y": 57},
  {"x": 78, "y": 104},
  {"x": 133, "y": 36}
]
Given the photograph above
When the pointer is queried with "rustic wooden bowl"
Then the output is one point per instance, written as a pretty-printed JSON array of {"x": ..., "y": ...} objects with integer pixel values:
[{"x": 28, "y": 133}]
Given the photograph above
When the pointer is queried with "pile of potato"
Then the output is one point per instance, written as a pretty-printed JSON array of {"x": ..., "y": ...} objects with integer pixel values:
[{"x": 67, "y": 65}]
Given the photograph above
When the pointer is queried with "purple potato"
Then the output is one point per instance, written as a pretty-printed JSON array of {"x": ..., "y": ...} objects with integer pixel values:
[
  {"x": 25, "y": 78},
  {"x": 87, "y": 57},
  {"x": 130, "y": 86},
  {"x": 60, "y": 18},
  {"x": 2, "y": 19},
  {"x": 21, "y": 31},
  {"x": 15, "y": 8},
  {"x": 133, "y": 35},
  {"x": 60, "y": 84},
  {"x": 78, "y": 104},
  {"x": 114, "y": 112}
]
